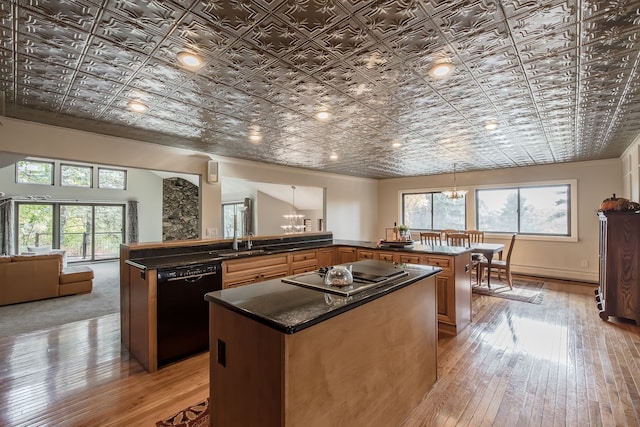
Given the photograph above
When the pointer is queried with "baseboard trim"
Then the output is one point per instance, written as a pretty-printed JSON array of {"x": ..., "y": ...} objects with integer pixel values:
[{"x": 556, "y": 273}]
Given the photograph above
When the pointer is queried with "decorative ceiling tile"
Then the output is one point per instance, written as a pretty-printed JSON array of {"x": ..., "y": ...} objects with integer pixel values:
[{"x": 559, "y": 77}]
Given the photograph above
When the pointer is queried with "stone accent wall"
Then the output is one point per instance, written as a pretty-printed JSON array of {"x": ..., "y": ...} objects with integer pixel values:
[{"x": 180, "y": 213}]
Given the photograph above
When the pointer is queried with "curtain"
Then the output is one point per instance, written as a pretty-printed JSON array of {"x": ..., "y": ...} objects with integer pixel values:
[
  {"x": 6, "y": 228},
  {"x": 132, "y": 221}
]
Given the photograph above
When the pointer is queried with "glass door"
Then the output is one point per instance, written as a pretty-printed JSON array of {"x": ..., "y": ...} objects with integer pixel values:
[
  {"x": 35, "y": 225},
  {"x": 76, "y": 231},
  {"x": 109, "y": 231}
]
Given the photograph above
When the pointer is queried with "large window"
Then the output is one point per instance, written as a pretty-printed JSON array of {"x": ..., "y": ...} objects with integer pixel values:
[
  {"x": 432, "y": 211},
  {"x": 85, "y": 231},
  {"x": 538, "y": 210},
  {"x": 34, "y": 172}
]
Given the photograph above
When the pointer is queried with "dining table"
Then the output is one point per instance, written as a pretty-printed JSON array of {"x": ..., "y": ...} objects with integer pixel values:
[{"x": 488, "y": 250}]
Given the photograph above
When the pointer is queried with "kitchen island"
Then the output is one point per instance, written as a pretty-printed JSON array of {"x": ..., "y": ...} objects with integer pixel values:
[{"x": 290, "y": 355}]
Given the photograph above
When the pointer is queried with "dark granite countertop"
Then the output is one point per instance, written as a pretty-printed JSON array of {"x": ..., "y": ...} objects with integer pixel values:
[
  {"x": 290, "y": 308},
  {"x": 416, "y": 247},
  {"x": 186, "y": 259}
]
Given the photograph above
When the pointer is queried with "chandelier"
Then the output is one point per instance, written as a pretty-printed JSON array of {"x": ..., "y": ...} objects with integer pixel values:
[
  {"x": 294, "y": 220},
  {"x": 454, "y": 194}
]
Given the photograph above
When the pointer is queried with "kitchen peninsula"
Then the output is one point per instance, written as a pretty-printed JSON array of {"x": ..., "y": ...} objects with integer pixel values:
[
  {"x": 271, "y": 257},
  {"x": 283, "y": 354}
]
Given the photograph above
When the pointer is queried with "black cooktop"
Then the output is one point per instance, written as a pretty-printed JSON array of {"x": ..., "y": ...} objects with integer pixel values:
[{"x": 365, "y": 277}]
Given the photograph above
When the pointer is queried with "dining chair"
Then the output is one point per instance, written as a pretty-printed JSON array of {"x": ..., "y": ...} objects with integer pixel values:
[
  {"x": 446, "y": 232},
  {"x": 500, "y": 265},
  {"x": 475, "y": 236},
  {"x": 430, "y": 238},
  {"x": 458, "y": 239}
]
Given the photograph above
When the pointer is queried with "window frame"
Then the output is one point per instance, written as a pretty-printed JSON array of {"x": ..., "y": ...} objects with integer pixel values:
[
  {"x": 430, "y": 192},
  {"x": 124, "y": 171},
  {"x": 572, "y": 206},
  {"x": 51, "y": 177},
  {"x": 70, "y": 165}
]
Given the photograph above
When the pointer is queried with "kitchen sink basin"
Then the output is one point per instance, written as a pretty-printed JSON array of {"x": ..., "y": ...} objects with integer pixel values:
[{"x": 233, "y": 254}]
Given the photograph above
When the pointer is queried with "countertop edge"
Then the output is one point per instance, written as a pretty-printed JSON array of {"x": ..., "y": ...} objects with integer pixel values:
[{"x": 369, "y": 296}]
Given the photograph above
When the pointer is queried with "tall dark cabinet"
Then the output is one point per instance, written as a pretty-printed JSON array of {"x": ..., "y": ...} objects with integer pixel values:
[{"x": 618, "y": 293}]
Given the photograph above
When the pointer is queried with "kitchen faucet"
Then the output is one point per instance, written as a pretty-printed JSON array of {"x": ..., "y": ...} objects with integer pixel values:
[{"x": 249, "y": 243}]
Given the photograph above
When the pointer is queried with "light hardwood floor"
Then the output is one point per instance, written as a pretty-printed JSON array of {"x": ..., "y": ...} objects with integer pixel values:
[{"x": 518, "y": 364}]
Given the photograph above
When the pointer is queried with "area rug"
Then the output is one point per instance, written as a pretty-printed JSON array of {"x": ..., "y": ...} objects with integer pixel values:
[
  {"x": 523, "y": 290},
  {"x": 194, "y": 416}
]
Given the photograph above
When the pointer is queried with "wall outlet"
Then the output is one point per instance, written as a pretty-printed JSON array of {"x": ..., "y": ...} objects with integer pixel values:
[
  {"x": 212, "y": 232},
  {"x": 584, "y": 263}
]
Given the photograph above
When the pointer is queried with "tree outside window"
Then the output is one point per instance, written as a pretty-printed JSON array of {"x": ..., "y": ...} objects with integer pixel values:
[
  {"x": 542, "y": 210},
  {"x": 432, "y": 211}
]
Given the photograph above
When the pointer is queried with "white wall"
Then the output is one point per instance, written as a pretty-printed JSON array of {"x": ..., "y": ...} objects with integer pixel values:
[
  {"x": 597, "y": 180},
  {"x": 631, "y": 171},
  {"x": 350, "y": 205}
]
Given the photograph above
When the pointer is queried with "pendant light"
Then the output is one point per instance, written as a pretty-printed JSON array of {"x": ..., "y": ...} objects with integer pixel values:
[{"x": 454, "y": 194}]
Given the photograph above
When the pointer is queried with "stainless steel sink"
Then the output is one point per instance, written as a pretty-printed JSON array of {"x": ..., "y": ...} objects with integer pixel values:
[{"x": 233, "y": 254}]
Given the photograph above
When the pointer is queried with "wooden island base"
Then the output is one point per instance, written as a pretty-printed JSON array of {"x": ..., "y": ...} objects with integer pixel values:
[{"x": 368, "y": 366}]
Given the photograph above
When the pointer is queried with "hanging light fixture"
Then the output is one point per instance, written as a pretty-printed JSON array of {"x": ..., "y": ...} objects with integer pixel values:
[
  {"x": 455, "y": 194},
  {"x": 294, "y": 219}
]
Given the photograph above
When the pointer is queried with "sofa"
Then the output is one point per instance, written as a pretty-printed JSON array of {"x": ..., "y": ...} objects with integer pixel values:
[{"x": 34, "y": 277}]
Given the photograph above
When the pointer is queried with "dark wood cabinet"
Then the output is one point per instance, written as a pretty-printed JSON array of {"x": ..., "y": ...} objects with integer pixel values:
[{"x": 618, "y": 293}]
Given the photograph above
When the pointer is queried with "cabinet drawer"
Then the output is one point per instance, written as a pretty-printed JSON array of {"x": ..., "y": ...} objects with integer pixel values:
[
  {"x": 365, "y": 254},
  {"x": 303, "y": 256},
  {"x": 411, "y": 259},
  {"x": 254, "y": 263},
  {"x": 388, "y": 256},
  {"x": 445, "y": 263}
]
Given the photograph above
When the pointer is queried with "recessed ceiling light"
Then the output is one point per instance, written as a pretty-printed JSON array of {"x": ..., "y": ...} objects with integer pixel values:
[
  {"x": 255, "y": 137},
  {"x": 333, "y": 156},
  {"x": 323, "y": 115},
  {"x": 396, "y": 144},
  {"x": 441, "y": 70},
  {"x": 137, "y": 106},
  {"x": 190, "y": 59},
  {"x": 491, "y": 125}
]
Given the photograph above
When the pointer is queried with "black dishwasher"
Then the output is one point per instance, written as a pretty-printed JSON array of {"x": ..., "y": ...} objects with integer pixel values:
[{"x": 183, "y": 313}]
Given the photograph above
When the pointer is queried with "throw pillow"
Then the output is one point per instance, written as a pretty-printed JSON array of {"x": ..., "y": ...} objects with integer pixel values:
[{"x": 39, "y": 249}]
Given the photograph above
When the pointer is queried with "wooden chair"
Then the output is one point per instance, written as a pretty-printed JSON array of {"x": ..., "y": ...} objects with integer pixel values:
[
  {"x": 475, "y": 236},
  {"x": 447, "y": 232},
  {"x": 430, "y": 238},
  {"x": 499, "y": 265},
  {"x": 458, "y": 239}
]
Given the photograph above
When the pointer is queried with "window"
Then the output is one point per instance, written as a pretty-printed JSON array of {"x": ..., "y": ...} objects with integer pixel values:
[
  {"x": 34, "y": 172},
  {"x": 539, "y": 210},
  {"x": 232, "y": 215},
  {"x": 114, "y": 179},
  {"x": 76, "y": 176},
  {"x": 432, "y": 211},
  {"x": 85, "y": 231}
]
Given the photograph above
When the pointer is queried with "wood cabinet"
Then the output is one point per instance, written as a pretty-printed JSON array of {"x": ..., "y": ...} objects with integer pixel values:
[
  {"x": 347, "y": 254},
  {"x": 329, "y": 373},
  {"x": 454, "y": 291},
  {"x": 388, "y": 256},
  {"x": 618, "y": 292},
  {"x": 250, "y": 270},
  {"x": 366, "y": 254},
  {"x": 326, "y": 257},
  {"x": 303, "y": 261}
]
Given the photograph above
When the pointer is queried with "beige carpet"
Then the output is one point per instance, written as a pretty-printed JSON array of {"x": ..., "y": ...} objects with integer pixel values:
[
  {"x": 32, "y": 316},
  {"x": 523, "y": 290}
]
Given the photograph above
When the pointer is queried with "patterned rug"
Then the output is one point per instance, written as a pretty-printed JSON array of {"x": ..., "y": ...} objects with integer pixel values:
[
  {"x": 194, "y": 416},
  {"x": 523, "y": 290}
]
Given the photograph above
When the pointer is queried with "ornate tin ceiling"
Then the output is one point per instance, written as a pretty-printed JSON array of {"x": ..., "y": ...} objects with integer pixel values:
[{"x": 560, "y": 78}]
